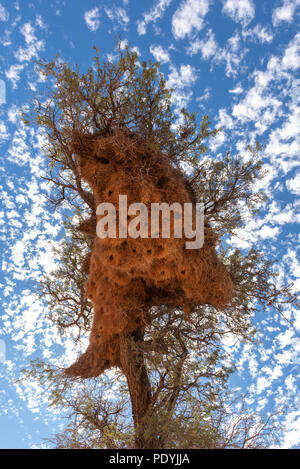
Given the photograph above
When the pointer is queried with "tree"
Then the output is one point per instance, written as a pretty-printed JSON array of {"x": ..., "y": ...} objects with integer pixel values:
[{"x": 174, "y": 364}]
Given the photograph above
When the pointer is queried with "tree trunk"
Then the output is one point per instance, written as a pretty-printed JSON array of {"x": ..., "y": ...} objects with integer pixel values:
[{"x": 133, "y": 367}]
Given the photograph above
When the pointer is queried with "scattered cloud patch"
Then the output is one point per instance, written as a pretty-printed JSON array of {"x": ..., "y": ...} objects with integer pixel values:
[
  {"x": 91, "y": 17},
  {"x": 6, "y": 39},
  {"x": 123, "y": 43},
  {"x": 160, "y": 54},
  {"x": 267, "y": 232},
  {"x": 206, "y": 95},
  {"x": 19, "y": 151},
  {"x": 231, "y": 55},
  {"x": 283, "y": 147},
  {"x": 152, "y": 16},
  {"x": 4, "y": 15},
  {"x": 259, "y": 34},
  {"x": 117, "y": 14},
  {"x": 293, "y": 184},
  {"x": 291, "y": 58},
  {"x": 33, "y": 45},
  {"x": 13, "y": 74},
  {"x": 28, "y": 32},
  {"x": 225, "y": 121},
  {"x": 207, "y": 47},
  {"x": 237, "y": 90},
  {"x": 4, "y": 135},
  {"x": 240, "y": 11},
  {"x": 185, "y": 76},
  {"x": 181, "y": 80},
  {"x": 286, "y": 12},
  {"x": 39, "y": 22},
  {"x": 189, "y": 17},
  {"x": 292, "y": 435},
  {"x": 253, "y": 105}
]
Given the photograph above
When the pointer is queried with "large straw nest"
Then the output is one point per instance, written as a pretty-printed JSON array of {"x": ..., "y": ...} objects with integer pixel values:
[{"x": 129, "y": 276}]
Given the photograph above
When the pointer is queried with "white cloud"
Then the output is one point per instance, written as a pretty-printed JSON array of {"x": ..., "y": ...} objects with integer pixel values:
[
  {"x": 284, "y": 338},
  {"x": 123, "y": 43},
  {"x": 3, "y": 132},
  {"x": 252, "y": 106},
  {"x": 217, "y": 141},
  {"x": 13, "y": 74},
  {"x": 277, "y": 67},
  {"x": 279, "y": 214},
  {"x": 160, "y": 54},
  {"x": 19, "y": 152},
  {"x": 284, "y": 145},
  {"x": 294, "y": 184},
  {"x": 136, "y": 50},
  {"x": 152, "y": 16},
  {"x": 259, "y": 33},
  {"x": 263, "y": 102},
  {"x": 112, "y": 57},
  {"x": 34, "y": 46},
  {"x": 292, "y": 430},
  {"x": 189, "y": 16},
  {"x": 205, "y": 96},
  {"x": 39, "y": 22},
  {"x": 225, "y": 121},
  {"x": 28, "y": 32},
  {"x": 91, "y": 17},
  {"x": 285, "y": 12},
  {"x": 27, "y": 54},
  {"x": 186, "y": 76},
  {"x": 237, "y": 90},
  {"x": 262, "y": 384},
  {"x": 232, "y": 55},
  {"x": 181, "y": 81},
  {"x": 3, "y": 13},
  {"x": 6, "y": 39},
  {"x": 207, "y": 46},
  {"x": 291, "y": 58},
  {"x": 117, "y": 14},
  {"x": 290, "y": 383},
  {"x": 266, "y": 232},
  {"x": 240, "y": 11}
]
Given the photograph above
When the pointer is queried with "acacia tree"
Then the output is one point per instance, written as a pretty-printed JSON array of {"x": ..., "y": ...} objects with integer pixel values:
[
  {"x": 175, "y": 366},
  {"x": 94, "y": 423}
]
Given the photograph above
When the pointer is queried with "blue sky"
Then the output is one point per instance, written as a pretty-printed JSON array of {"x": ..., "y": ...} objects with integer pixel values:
[{"x": 236, "y": 60}]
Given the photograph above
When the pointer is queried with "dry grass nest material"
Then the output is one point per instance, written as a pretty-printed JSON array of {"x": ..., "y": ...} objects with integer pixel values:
[{"x": 126, "y": 277}]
